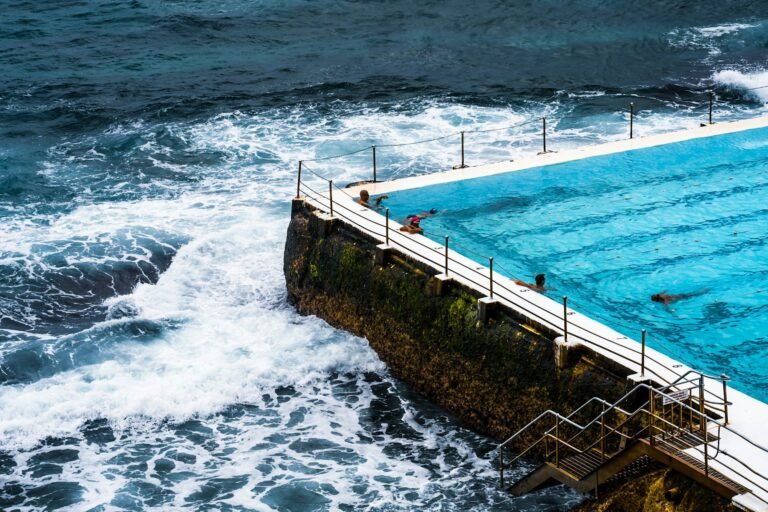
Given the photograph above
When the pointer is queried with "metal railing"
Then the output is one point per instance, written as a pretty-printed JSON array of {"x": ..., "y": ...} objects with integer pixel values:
[{"x": 677, "y": 416}]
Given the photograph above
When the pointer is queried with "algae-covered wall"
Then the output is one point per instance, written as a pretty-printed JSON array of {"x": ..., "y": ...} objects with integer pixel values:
[{"x": 493, "y": 376}]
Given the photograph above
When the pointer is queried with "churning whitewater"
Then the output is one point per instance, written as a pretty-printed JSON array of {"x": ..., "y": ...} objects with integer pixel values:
[{"x": 148, "y": 356}]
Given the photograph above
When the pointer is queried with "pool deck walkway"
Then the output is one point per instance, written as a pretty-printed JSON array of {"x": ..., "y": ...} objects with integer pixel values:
[{"x": 744, "y": 461}]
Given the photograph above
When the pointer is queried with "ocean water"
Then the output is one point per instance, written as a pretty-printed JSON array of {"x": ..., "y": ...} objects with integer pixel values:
[
  {"x": 611, "y": 231},
  {"x": 148, "y": 356}
]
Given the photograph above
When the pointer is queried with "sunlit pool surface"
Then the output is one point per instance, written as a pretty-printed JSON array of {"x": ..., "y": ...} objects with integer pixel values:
[{"x": 611, "y": 231}]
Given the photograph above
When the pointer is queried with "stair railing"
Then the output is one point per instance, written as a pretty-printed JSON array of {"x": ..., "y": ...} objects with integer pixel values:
[{"x": 658, "y": 426}]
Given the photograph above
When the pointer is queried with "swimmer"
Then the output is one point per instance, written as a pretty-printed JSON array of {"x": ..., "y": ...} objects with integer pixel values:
[
  {"x": 666, "y": 298},
  {"x": 365, "y": 198},
  {"x": 539, "y": 286},
  {"x": 413, "y": 227}
]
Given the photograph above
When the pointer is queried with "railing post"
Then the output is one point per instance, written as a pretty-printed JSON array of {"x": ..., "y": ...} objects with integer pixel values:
[
  {"x": 298, "y": 183},
  {"x": 462, "y": 150},
  {"x": 602, "y": 435},
  {"x": 650, "y": 408},
  {"x": 631, "y": 119},
  {"x": 446, "y": 255},
  {"x": 544, "y": 133},
  {"x": 373, "y": 149},
  {"x": 490, "y": 274},
  {"x": 557, "y": 442},
  {"x": 330, "y": 195},
  {"x": 706, "y": 448},
  {"x": 711, "y": 100},
  {"x": 386, "y": 212},
  {"x": 642, "y": 356},
  {"x": 501, "y": 467},
  {"x": 565, "y": 318},
  {"x": 725, "y": 396},
  {"x": 701, "y": 395}
]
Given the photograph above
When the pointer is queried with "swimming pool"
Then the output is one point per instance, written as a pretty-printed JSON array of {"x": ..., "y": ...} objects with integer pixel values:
[{"x": 610, "y": 231}]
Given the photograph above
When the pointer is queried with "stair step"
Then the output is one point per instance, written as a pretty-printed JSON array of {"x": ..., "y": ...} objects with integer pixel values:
[
  {"x": 699, "y": 465},
  {"x": 582, "y": 464}
]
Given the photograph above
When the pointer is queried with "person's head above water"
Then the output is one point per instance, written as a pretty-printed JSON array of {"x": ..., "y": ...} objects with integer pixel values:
[
  {"x": 364, "y": 196},
  {"x": 657, "y": 297},
  {"x": 540, "y": 278}
]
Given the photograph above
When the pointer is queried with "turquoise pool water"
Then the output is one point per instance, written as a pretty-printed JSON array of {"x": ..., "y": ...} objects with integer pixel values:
[{"x": 611, "y": 231}]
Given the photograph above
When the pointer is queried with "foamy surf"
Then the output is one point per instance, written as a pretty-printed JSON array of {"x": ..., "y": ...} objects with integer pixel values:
[{"x": 752, "y": 84}]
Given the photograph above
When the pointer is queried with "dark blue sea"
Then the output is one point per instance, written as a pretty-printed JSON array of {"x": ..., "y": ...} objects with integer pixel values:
[{"x": 148, "y": 152}]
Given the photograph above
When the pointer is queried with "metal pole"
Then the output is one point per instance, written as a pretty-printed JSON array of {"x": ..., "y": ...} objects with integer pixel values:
[
  {"x": 631, "y": 119},
  {"x": 706, "y": 448},
  {"x": 711, "y": 99},
  {"x": 387, "y": 225},
  {"x": 501, "y": 466},
  {"x": 462, "y": 150},
  {"x": 544, "y": 132},
  {"x": 701, "y": 395},
  {"x": 557, "y": 441},
  {"x": 565, "y": 318},
  {"x": 330, "y": 195},
  {"x": 642, "y": 357},
  {"x": 650, "y": 407},
  {"x": 725, "y": 398},
  {"x": 373, "y": 149},
  {"x": 490, "y": 273},
  {"x": 446, "y": 255},
  {"x": 602, "y": 435},
  {"x": 298, "y": 183}
]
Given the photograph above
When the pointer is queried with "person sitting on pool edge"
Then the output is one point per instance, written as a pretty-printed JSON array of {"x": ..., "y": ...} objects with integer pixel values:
[
  {"x": 413, "y": 227},
  {"x": 539, "y": 286},
  {"x": 365, "y": 197},
  {"x": 665, "y": 298}
]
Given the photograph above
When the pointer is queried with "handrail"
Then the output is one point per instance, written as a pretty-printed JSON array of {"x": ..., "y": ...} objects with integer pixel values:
[{"x": 656, "y": 425}]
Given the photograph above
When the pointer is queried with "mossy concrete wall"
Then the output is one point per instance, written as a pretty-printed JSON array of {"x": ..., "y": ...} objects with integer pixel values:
[{"x": 493, "y": 376}]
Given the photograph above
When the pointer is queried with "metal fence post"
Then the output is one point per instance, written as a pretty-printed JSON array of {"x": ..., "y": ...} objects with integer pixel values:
[
  {"x": 298, "y": 183},
  {"x": 330, "y": 195},
  {"x": 652, "y": 413},
  {"x": 387, "y": 226},
  {"x": 462, "y": 150},
  {"x": 642, "y": 356},
  {"x": 446, "y": 255},
  {"x": 490, "y": 273},
  {"x": 711, "y": 100},
  {"x": 701, "y": 395},
  {"x": 544, "y": 133},
  {"x": 373, "y": 150},
  {"x": 725, "y": 396},
  {"x": 631, "y": 119},
  {"x": 706, "y": 448},
  {"x": 565, "y": 318},
  {"x": 501, "y": 467}
]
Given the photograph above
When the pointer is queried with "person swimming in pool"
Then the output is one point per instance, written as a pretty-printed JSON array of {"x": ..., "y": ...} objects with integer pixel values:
[
  {"x": 414, "y": 225},
  {"x": 365, "y": 198},
  {"x": 666, "y": 298},
  {"x": 539, "y": 286}
]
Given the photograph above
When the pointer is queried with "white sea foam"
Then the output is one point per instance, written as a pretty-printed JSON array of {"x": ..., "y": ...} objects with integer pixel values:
[
  {"x": 751, "y": 83},
  {"x": 707, "y": 38}
]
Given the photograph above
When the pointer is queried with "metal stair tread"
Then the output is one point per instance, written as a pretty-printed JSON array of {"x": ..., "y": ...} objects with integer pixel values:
[{"x": 699, "y": 465}]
